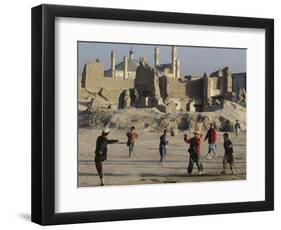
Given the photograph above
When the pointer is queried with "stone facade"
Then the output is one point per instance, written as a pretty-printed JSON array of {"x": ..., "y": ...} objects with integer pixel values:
[
  {"x": 238, "y": 82},
  {"x": 217, "y": 87},
  {"x": 147, "y": 86},
  {"x": 92, "y": 73}
]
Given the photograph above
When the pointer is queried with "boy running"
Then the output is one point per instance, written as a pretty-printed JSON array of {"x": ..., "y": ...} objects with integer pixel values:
[
  {"x": 195, "y": 154},
  {"x": 132, "y": 136},
  {"x": 162, "y": 146},
  {"x": 212, "y": 138},
  {"x": 228, "y": 154}
]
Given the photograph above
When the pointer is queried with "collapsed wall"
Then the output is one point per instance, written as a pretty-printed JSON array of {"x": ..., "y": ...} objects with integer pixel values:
[
  {"x": 93, "y": 84},
  {"x": 163, "y": 92},
  {"x": 147, "y": 87}
]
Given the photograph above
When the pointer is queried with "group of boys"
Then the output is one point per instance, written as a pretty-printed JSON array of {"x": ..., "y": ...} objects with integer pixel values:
[
  {"x": 195, "y": 152},
  {"x": 194, "y": 147}
]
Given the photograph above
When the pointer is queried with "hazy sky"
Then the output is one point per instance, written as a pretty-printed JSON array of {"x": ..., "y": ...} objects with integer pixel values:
[{"x": 193, "y": 60}]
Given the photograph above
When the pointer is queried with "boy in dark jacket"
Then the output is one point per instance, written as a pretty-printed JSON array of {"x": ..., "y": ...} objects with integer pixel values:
[
  {"x": 212, "y": 138},
  {"x": 162, "y": 146},
  {"x": 228, "y": 154},
  {"x": 194, "y": 151},
  {"x": 101, "y": 152}
]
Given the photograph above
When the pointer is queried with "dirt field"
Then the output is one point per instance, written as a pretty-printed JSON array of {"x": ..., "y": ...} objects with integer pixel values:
[{"x": 143, "y": 166}]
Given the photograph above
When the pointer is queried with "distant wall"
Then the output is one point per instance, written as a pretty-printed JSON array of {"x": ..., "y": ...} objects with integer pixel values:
[
  {"x": 146, "y": 82},
  {"x": 177, "y": 90},
  {"x": 194, "y": 88},
  {"x": 93, "y": 80},
  {"x": 239, "y": 81},
  {"x": 91, "y": 72}
]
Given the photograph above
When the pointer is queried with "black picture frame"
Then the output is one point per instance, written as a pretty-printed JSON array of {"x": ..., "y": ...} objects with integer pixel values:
[{"x": 43, "y": 114}]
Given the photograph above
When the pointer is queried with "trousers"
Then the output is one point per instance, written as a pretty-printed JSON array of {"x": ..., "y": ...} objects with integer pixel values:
[{"x": 194, "y": 159}]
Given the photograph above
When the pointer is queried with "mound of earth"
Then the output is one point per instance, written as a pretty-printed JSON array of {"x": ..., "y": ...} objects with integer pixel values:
[{"x": 152, "y": 120}]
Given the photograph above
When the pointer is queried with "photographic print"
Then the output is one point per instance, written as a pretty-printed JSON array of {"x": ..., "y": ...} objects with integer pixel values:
[
  {"x": 148, "y": 100},
  {"x": 160, "y": 114}
]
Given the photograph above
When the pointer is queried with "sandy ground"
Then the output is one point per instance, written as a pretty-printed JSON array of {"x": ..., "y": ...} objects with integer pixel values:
[{"x": 144, "y": 168}]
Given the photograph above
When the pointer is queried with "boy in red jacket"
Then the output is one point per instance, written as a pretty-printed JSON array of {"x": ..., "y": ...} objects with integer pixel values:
[
  {"x": 212, "y": 138},
  {"x": 195, "y": 153}
]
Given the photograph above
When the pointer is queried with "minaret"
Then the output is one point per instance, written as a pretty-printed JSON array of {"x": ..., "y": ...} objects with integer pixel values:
[
  {"x": 113, "y": 58},
  {"x": 125, "y": 68},
  {"x": 156, "y": 56},
  {"x": 174, "y": 57},
  {"x": 178, "y": 68},
  {"x": 131, "y": 54}
]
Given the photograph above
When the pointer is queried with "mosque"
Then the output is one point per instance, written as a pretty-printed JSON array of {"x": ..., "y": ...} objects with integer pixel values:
[{"x": 126, "y": 69}]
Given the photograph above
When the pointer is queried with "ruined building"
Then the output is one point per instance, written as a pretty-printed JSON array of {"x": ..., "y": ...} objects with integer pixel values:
[{"x": 138, "y": 84}]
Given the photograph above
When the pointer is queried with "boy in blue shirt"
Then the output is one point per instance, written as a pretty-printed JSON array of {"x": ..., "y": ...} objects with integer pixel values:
[{"x": 162, "y": 146}]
